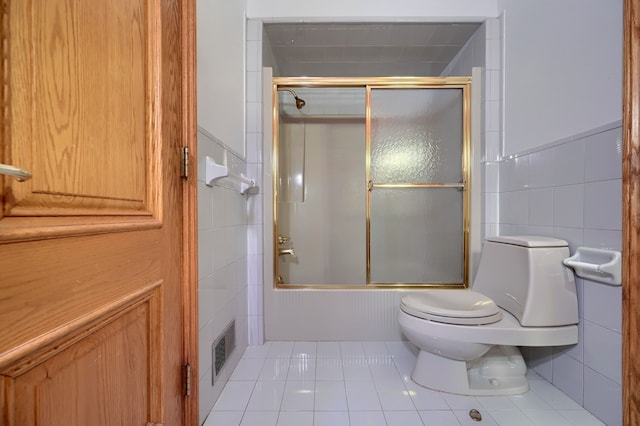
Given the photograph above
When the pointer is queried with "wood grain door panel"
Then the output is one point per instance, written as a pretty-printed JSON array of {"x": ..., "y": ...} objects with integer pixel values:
[
  {"x": 91, "y": 248},
  {"x": 85, "y": 133},
  {"x": 111, "y": 374}
]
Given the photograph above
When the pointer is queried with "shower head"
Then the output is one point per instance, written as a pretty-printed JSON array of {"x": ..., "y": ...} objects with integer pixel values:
[{"x": 300, "y": 103}]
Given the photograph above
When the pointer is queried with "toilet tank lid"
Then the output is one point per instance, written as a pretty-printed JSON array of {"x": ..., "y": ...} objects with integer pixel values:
[{"x": 529, "y": 241}]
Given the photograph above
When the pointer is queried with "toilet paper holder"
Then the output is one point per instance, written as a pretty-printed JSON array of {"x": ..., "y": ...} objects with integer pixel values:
[{"x": 599, "y": 265}]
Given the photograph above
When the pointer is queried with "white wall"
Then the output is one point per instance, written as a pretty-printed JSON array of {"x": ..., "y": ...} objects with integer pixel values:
[
  {"x": 563, "y": 69},
  {"x": 220, "y": 68},
  {"x": 334, "y": 10}
]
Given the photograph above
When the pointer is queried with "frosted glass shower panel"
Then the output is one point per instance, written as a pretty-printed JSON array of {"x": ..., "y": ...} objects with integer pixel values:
[
  {"x": 416, "y": 135},
  {"x": 417, "y": 235}
]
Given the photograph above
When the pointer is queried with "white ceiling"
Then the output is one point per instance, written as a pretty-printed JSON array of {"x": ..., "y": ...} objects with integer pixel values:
[{"x": 365, "y": 49}]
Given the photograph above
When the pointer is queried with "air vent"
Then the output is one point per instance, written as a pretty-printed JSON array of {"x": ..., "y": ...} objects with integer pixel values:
[{"x": 222, "y": 348}]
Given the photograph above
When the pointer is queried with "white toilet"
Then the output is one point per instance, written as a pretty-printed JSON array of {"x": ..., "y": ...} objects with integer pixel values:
[{"x": 522, "y": 296}]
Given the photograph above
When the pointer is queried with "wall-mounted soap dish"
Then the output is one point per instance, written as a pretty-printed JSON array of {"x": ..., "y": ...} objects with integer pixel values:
[{"x": 600, "y": 265}]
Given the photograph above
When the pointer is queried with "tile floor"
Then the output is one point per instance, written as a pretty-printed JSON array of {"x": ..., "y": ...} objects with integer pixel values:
[{"x": 367, "y": 384}]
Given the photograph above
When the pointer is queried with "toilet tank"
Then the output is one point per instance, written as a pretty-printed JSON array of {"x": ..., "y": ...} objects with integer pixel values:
[{"x": 525, "y": 276}]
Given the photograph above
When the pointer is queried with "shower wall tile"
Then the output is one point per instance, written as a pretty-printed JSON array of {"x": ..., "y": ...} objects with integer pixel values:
[{"x": 574, "y": 193}]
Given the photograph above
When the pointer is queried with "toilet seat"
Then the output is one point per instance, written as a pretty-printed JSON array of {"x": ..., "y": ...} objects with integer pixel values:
[{"x": 462, "y": 307}]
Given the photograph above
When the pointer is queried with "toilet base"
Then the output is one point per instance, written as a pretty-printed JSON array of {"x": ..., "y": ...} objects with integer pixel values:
[{"x": 500, "y": 371}]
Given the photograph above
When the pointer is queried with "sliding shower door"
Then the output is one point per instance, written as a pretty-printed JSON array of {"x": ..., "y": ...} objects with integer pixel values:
[
  {"x": 370, "y": 182},
  {"x": 417, "y": 175}
]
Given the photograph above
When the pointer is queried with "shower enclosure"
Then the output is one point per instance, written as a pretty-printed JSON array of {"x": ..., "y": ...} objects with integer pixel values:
[{"x": 371, "y": 182}]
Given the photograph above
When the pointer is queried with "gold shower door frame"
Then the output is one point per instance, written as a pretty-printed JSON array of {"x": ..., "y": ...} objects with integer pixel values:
[{"x": 463, "y": 83}]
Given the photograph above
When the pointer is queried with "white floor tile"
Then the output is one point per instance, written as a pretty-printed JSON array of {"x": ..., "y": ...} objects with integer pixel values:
[
  {"x": 275, "y": 369},
  {"x": 356, "y": 369},
  {"x": 234, "y": 396},
  {"x": 510, "y": 418},
  {"x": 298, "y": 396},
  {"x": 394, "y": 395},
  {"x": 403, "y": 418},
  {"x": 224, "y": 418},
  {"x": 331, "y": 418},
  {"x": 553, "y": 396},
  {"x": 496, "y": 403},
  {"x": 257, "y": 351},
  {"x": 439, "y": 418},
  {"x": 330, "y": 396},
  {"x": 304, "y": 350},
  {"x": 367, "y": 418},
  {"x": 580, "y": 417},
  {"x": 547, "y": 417},
  {"x": 302, "y": 369},
  {"x": 426, "y": 399},
  {"x": 383, "y": 368},
  {"x": 295, "y": 418},
  {"x": 362, "y": 396},
  {"x": 461, "y": 402},
  {"x": 529, "y": 401},
  {"x": 260, "y": 418},
  {"x": 247, "y": 369},
  {"x": 375, "y": 348},
  {"x": 466, "y": 420},
  {"x": 329, "y": 369},
  {"x": 280, "y": 350},
  {"x": 350, "y": 349},
  {"x": 266, "y": 396},
  {"x": 328, "y": 350},
  {"x": 368, "y": 384}
]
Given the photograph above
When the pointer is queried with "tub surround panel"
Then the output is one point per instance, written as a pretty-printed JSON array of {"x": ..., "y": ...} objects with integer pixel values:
[{"x": 332, "y": 315}]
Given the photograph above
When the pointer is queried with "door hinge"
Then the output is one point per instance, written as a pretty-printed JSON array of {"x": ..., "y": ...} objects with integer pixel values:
[
  {"x": 184, "y": 172},
  {"x": 186, "y": 379}
]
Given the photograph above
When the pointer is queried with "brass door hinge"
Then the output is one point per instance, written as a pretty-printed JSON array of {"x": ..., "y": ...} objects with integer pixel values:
[
  {"x": 186, "y": 379},
  {"x": 184, "y": 169}
]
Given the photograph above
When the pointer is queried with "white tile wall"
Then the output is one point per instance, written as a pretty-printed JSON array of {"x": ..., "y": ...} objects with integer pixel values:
[
  {"x": 574, "y": 193},
  {"x": 254, "y": 168},
  {"x": 222, "y": 267}
]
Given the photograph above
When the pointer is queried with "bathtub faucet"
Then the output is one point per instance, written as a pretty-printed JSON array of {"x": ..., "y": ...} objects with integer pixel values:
[{"x": 288, "y": 251}]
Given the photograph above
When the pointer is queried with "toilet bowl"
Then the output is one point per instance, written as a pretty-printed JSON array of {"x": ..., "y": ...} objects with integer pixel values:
[{"x": 468, "y": 339}]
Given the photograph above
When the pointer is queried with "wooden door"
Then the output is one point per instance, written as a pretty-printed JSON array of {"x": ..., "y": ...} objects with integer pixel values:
[{"x": 92, "y": 324}]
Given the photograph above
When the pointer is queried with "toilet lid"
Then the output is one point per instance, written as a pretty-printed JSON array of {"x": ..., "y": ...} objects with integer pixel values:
[{"x": 452, "y": 307}]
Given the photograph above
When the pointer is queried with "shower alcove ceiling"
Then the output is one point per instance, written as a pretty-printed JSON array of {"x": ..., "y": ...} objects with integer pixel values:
[{"x": 365, "y": 49}]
